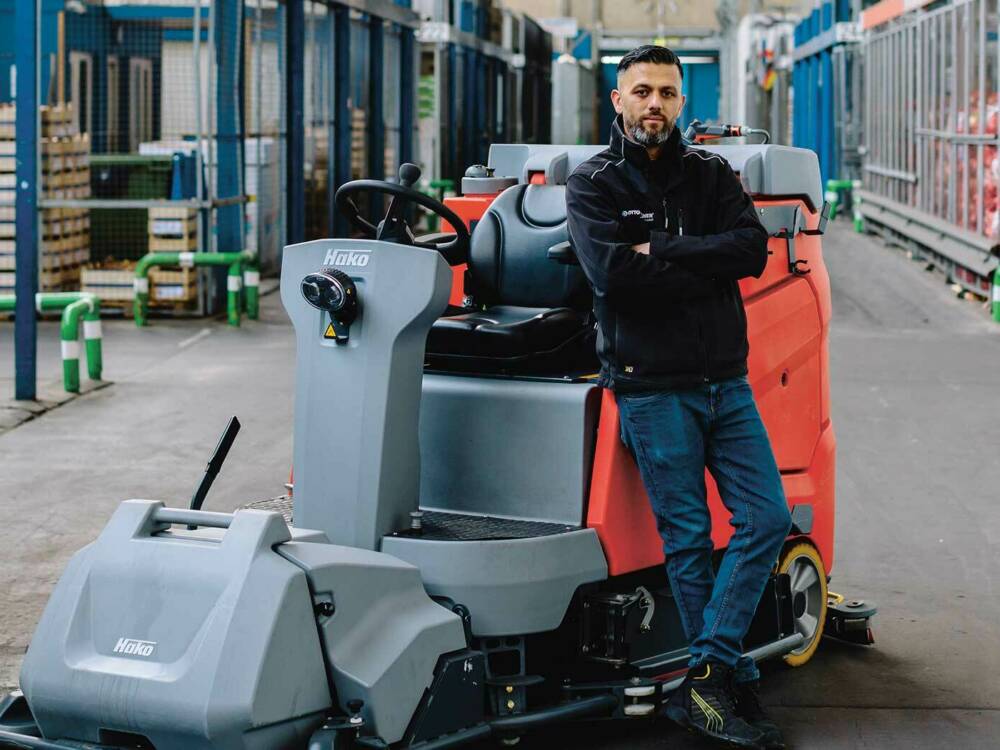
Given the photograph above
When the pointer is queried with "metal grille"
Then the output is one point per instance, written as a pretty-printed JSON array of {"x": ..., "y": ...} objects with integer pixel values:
[
  {"x": 450, "y": 527},
  {"x": 459, "y": 527},
  {"x": 282, "y": 505}
]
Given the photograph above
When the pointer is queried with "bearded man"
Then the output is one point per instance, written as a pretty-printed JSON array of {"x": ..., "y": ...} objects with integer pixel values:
[{"x": 663, "y": 233}]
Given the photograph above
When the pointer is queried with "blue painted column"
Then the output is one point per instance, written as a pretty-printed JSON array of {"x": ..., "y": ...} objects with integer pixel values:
[
  {"x": 826, "y": 115},
  {"x": 340, "y": 171},
  {"x": 376, "y": 84},
  {"x": 469, "y": 107},
  {"x": 409, "y": 69},
  {"x": 295, "y": 197},
  {"x": 454, "y": 170},
  {"x": 26, "y": 212},
  {"x": 376, "y": 118},
  {"x": 229, "y": 145},
  {"x": 407, "y": 94}
]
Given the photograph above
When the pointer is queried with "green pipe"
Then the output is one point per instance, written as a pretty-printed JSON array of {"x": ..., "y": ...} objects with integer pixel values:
[
  {"x": 234, "y": 283},
  {"x": 833, "y": 191},
  {"x": 88, "y": 307},
  {"x": 859, "y": 219},
  {"x": 251, "y": 298},
  {"x": 996, "y": 295},
  {"x": 74, "y": 305},
  {"x": 235, "y": 262}
]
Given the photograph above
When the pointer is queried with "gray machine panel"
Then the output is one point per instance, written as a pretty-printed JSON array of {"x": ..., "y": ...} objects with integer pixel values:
[
  {"x": 384, "y": 639},
  {"x": 356, "y": 456},
  {"x": 770, "y": 170},
  {"x": 511, "y": 586},
  {"x": 508, "y": 448},
  {"x": 193, "y": 640},
  {"x": 557, "y": 162},
  {"x": 773, "y": 170}
]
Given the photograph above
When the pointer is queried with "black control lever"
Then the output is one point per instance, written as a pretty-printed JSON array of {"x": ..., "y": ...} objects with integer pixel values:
[
  {"x": 393, "y": 228},
  {"x": 215, "y": 464},
  {"x": 333, "y": 291}
]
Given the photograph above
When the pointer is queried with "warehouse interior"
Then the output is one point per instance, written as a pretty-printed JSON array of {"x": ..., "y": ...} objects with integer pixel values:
[{"x": 165, "y": 165}]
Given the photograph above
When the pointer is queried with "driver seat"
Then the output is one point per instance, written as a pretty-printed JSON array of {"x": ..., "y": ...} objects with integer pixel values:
[{"x": 532, "y": 313}]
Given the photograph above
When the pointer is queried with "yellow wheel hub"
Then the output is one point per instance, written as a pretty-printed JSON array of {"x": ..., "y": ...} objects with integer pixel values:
[{"x": 805, "y": 569}]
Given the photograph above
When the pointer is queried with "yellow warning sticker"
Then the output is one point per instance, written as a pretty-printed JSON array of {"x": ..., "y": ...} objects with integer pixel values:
[{"x": 329, "y": 333}]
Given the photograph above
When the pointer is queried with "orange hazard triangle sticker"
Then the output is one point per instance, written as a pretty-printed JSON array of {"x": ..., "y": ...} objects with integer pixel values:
[{"x": 329, "y": 333}]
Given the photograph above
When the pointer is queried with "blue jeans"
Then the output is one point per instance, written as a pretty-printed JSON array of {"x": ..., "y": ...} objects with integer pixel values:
[{"x": 674, "y": 436}]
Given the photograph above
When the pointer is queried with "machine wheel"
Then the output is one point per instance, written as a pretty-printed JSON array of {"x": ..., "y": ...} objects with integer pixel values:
[
  {"x": 804, "y": 567},
  {"x": 332, "y": 739}
]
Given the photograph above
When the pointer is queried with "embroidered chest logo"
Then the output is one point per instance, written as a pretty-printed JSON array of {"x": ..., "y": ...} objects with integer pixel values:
[{"x": 637, "y": 214}]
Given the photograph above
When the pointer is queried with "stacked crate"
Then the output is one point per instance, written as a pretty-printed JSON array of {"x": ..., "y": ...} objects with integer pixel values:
[
  {"x": 112, "y": 280},
  {"x": 173, "y": 230},
  {"x": 65, "y": 171}
]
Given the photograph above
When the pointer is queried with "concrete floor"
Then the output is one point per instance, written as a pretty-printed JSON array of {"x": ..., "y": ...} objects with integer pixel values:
[{"x": 916, "y": 399}]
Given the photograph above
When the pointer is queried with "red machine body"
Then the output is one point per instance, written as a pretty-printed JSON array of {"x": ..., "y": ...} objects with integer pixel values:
[{"x": 788, "y": 318}]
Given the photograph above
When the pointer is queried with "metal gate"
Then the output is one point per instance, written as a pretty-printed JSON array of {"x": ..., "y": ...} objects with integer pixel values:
[{"x": 931, "y": 172}]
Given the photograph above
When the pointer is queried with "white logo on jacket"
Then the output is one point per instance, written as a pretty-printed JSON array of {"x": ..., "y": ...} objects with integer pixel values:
[{"x": 636, "y": 212}]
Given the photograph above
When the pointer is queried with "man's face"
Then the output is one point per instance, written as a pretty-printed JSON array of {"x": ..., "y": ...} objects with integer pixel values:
[{"x": 649, "y": 100}]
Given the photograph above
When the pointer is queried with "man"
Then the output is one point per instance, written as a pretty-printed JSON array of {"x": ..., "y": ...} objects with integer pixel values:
[{"x": 663, "y": 232}]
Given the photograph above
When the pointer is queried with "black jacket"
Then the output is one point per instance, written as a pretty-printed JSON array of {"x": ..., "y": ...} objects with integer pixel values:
[{"x": 674, "y": 318}]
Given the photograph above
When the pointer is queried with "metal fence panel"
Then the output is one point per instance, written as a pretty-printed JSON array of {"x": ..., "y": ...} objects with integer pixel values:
[{"x": 931, "y": 107}]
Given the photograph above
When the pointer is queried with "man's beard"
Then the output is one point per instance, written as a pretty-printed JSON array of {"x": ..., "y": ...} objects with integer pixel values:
[{"x": 650, "y": 138}]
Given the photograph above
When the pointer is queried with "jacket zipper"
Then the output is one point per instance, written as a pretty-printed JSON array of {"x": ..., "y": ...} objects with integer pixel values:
[{"x": 680, "y": 219}]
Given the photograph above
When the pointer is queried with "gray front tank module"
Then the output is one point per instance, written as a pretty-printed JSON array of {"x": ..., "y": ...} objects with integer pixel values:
[{"x": 191, "y": 640}]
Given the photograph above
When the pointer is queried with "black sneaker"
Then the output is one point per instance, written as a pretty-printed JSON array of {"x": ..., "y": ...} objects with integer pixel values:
[
  {"x": 748, "y": 707},
  {"x": 703, "y": 702}
]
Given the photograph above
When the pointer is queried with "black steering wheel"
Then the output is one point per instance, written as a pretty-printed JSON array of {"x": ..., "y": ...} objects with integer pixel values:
[{"x": 454, "y": 247}]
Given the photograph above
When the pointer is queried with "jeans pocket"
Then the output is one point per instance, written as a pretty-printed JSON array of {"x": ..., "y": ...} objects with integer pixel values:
[{"x": 640, "y": 397}]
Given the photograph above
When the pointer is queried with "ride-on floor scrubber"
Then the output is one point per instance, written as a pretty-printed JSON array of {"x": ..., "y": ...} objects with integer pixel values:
[{"x": 472, "y": 553}]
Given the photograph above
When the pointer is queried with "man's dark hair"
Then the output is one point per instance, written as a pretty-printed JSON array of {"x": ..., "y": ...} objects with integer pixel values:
[{"x": 650, "y": 53}]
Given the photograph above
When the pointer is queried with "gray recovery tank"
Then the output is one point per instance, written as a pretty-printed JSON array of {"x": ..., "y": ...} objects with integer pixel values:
[
  {"x": 210, "y": 639},
  {"x": 190, "y": 640}
]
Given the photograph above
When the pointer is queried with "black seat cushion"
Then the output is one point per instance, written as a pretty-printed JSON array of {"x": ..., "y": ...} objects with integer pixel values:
[
  {"x": 534, "y": 313},
  {"x": 511, "y": 339}
]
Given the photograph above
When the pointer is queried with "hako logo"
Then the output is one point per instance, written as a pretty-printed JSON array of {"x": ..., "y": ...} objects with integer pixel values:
[
  {"x": 358, "y": 258},
  {"x": 133, "y": 647}
]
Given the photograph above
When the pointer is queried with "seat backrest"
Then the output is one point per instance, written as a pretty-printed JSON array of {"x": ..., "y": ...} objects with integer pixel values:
[{"x": 509, "y": 259}]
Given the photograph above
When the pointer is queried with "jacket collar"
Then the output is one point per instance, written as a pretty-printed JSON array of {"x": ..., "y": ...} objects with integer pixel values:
[{"x": 668, "y": 168}]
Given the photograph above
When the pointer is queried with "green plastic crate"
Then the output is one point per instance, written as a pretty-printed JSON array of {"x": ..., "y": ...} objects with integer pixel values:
[{"x": 123, "y": 232}]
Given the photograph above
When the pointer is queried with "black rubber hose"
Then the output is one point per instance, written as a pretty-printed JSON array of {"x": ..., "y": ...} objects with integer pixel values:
[{"x": 574, "y": 710}]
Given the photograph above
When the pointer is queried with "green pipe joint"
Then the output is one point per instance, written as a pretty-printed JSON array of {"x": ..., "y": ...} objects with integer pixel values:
[
  {"x": 74, "y": 306},
  {"x": 235, "y": 262},
  {"x": 89, "y": 309}
]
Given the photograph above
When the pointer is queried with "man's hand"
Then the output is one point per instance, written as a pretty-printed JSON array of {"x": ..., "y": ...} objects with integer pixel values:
[{"x": 642, "y": 249}]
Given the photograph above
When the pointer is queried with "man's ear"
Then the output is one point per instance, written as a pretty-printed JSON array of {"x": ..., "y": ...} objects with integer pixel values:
[{"x": 616, "y": 100}]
